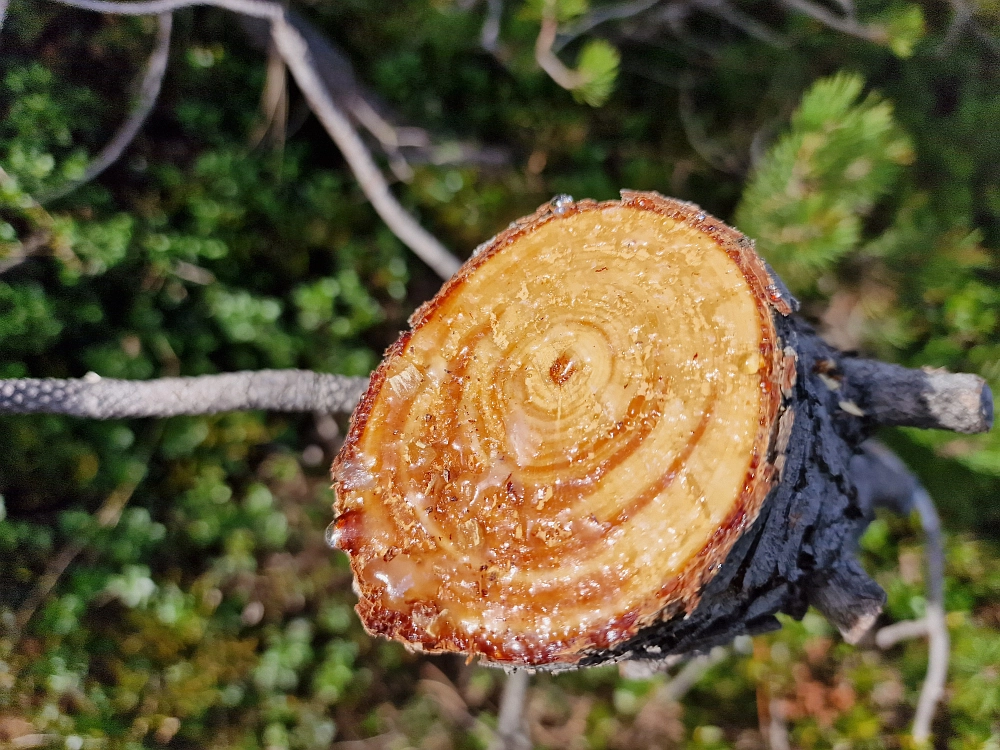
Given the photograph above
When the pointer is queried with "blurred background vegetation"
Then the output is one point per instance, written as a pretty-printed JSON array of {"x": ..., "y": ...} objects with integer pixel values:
[{"x": 166, "y": 583}]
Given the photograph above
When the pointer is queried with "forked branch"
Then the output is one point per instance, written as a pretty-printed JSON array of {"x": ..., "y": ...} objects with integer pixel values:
[{"x": 294, "y": 49}]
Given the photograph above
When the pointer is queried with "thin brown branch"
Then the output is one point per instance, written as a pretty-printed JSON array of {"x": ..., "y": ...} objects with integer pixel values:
[
  {"x": 843, "y": 24},
  {"x": 600, "y": 16},
  {"x": 294, "y": 49},
  {"x": 273, "y": 103},
  {"x": 149, "y": 92},
  {"x": 748, "y": 25},
  {"x": 547, "y": 59}
]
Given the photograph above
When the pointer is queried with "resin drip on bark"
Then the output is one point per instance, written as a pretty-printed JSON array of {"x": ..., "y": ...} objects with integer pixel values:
[{"x": 604, "y": 438}]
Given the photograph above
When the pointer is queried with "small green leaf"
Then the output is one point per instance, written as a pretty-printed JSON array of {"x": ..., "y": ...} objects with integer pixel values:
[
  {"x": 598, "y": 64},
  {"x": 805, "y": 202},
  {"x": 904, "y": 26},
  {"x": 564, "y": 10}
]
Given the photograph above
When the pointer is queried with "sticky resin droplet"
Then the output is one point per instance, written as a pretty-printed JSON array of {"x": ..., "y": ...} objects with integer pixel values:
[
  {"x": 333, "y": 535},
  {"x": 561, "y": 203}
]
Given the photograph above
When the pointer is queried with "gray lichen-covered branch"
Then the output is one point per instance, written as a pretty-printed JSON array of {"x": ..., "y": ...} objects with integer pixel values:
[{"x": 106, "y": 398}]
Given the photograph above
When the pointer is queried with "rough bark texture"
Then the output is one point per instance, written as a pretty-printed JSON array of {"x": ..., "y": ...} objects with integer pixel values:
[{"x": 106, "y": 398}]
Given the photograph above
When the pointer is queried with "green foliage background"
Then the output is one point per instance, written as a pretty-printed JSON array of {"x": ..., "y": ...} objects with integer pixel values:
[{"x": 178, "y": 585}]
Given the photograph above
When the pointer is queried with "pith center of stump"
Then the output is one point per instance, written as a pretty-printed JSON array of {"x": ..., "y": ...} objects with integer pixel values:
[{"x": 562, "y": 369}]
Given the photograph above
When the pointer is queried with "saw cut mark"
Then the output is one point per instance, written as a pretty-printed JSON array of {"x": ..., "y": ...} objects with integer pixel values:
[{"x": 554, "y": 457}]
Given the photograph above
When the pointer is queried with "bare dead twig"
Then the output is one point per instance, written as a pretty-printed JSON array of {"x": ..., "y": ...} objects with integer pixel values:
[
  {"x": 403, "y": 145},
  {"x": 40, "y": 238},
  {"x": 848, "y": 7},
  {"x": 511, "y": 734},
  {"x": 777, "y": 729},
  {"x": 149, "y": 92},
  {"x": 745, "y": 23},
  {"x": 905, "y": 630},
  {"x": 843, "y": 24},
  {"x": 961, "y": 18},
  {"x": 424, "y": 245},
  {"x": 986, "y": 38},
  {"x": 692, "y": 672},
  {"x": 937, "y": 627},
  {"x": 928, "y": 398},
  {"x": 599, "y": 16},
  {"x": 964, "y": 17},
  {"x": 675, "y": 16},
  {"x": 28, "y": 247},
  {"x": 255, "y": 8},
  {"x": 273, "y": 103},
  {"x": 882, "y": 480},
  {"x": 449, "y": 700},
  {"x": 489, "y": 35},
  {"x": 390, "y": 137},
  {"x": 294, "y": 49},
  {"x": 547, "y": 59}
]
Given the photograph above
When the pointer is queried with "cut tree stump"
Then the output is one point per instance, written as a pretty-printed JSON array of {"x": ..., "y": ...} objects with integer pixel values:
[{"x": 609, "y": 437}]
